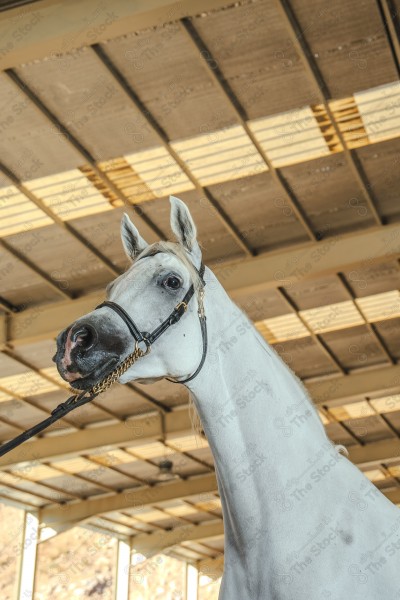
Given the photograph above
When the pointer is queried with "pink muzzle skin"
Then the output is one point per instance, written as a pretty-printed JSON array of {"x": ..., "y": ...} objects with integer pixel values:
[{"x": 66, "y": 360}]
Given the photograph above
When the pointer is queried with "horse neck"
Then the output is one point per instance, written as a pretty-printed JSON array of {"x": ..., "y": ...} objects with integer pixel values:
[{"x": 261, "y": 426}]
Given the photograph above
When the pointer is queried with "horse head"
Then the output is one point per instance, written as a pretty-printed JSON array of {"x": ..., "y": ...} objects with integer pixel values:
[{"x": 149, "y": 296}]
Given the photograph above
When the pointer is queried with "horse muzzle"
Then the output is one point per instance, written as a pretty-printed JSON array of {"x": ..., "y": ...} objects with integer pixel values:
[{"x": 84, "y": 354}]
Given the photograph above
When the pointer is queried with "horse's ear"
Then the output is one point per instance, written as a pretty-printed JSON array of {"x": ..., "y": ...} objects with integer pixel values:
[
  {"x": 183, "y": 226},
  {"x": 132, "y": 241}
]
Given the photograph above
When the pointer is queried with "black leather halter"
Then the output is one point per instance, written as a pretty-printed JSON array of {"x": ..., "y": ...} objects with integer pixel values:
[{"x": 174, "y": 317}]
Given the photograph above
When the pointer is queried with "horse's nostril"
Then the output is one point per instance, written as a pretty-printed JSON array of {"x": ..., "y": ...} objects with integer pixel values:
[{"x": 84, "y": 336}]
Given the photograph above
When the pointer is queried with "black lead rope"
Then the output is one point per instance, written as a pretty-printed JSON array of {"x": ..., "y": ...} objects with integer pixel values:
[
  {"x": 58, "y": 413},
  {"x": 86, "y": 396}
]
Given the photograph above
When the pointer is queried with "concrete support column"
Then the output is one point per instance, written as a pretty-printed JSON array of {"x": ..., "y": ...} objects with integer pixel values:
[
  {"x": 192, "y": 582},
  {"x": 27, "y": 557},
  {"x": 121, "y": 590}
]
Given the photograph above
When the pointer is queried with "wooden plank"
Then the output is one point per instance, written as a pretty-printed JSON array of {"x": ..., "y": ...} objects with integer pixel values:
[
  {"x": 82, "y": 511},
  {"x": 49, "y": 27}
]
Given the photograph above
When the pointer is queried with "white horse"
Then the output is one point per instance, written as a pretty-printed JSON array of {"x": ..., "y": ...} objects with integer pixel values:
[{"x": 301, "y": 521}]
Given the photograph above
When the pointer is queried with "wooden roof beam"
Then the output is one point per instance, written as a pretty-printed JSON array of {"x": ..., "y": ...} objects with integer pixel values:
[
  {"x": 79, "y": 512},
  {"x": 267, "y": 271},
  {"x": 150, "y": 544},
  {"x": 51, "y": 27},
  {"x": 147, "y": 428}
]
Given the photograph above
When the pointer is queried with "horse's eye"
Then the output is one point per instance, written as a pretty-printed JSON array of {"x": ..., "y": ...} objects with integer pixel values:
[{"x": 172, "y": 282}]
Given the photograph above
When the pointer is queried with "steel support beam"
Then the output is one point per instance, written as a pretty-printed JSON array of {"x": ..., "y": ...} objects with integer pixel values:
[
  {"x": 7, "y": 306},
  {"x": 212, "y": 567},
  {"x": 51, "y": 27},
  {"x": 130, "y": 433},
  {"x": 52, "y": 516},
  {"x": 382, "y": 381},
  {"x": 3, "y": 330},
  {"x": 375, "y": 453},
  {"x": 393, "y": 496},
  {"x": 339, "y": 253},
  {"x": 150, "y": 544},
  {"x": 268, "y": 271},
  {"x": 73, "y": 514}
]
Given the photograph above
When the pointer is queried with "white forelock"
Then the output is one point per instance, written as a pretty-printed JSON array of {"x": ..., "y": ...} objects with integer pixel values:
[{"x": 178, "y": 251}]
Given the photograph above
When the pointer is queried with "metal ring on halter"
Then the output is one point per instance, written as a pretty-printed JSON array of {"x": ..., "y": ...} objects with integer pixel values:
[{"x": 146, "y": 342}]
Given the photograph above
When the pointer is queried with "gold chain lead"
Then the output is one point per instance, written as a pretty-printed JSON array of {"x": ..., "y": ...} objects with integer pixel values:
[{"x": 113, "y": 377}]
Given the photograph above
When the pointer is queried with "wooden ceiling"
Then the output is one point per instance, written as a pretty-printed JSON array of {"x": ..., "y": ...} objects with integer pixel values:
[{"x": 279, "y": 125}]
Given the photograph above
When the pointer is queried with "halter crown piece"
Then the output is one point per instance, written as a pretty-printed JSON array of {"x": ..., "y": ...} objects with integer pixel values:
[{"x": 139, "y": 351}]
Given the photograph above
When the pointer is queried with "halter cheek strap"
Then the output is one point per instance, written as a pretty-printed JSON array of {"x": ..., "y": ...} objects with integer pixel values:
[
  {"x": 203, "y": 325},
  {"x": 174, "y": 317}
]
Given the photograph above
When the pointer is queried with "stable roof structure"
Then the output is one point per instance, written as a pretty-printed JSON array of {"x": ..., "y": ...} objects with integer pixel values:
[{"x": 278, "y": 123}]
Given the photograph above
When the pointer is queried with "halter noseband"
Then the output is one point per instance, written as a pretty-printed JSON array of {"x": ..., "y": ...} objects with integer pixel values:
[{"x": 179, "y": 310}]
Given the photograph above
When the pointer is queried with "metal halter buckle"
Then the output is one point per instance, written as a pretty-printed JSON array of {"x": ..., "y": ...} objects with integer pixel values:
[{"x": 177, "y": 307}]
